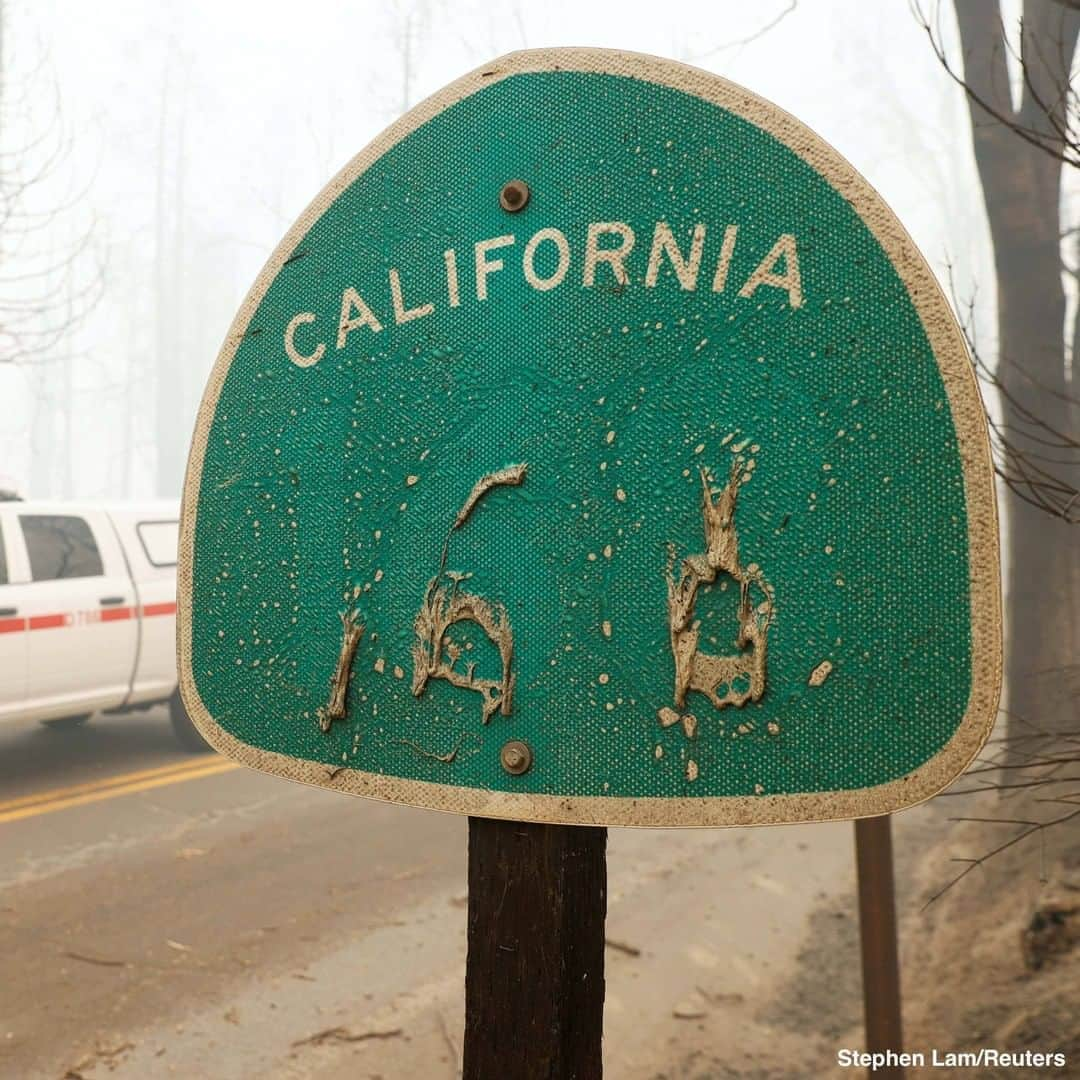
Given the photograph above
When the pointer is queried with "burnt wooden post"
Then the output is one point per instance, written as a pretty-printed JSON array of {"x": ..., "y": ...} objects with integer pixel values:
[
  {"x": 877, "y": 930},
  {"x": 534, "y": 980}
]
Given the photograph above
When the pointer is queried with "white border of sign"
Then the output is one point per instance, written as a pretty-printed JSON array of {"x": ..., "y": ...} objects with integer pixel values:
[{"x": 968, "y": 415}]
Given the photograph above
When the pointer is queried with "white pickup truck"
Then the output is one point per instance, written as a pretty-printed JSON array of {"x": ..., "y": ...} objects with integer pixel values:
[{"x": 88, "y": 612}]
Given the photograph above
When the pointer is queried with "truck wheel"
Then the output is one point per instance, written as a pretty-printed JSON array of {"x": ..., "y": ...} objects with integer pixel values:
[
  {"x": 187, "y": 734},
  {"x": 65, "y": 723}
]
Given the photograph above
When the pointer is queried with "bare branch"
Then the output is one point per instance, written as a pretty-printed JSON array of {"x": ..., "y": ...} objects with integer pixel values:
[
  {"x": 740, "y": 42},
  {"x": 1049, "y": 103},
  {"x": 53, "y": 288},
  {"x": 1047, "y": 44},
  {"x": 1030, "y": 829},
  {"x": 1046, "y": 481}
]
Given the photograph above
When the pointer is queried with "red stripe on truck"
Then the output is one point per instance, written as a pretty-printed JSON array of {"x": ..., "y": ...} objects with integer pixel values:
[
  {"x": 56, "y": 620},
  {"x": 117, "y": 614},
  {"x": 167, "y": 608},
  {"x": 49, "y": 622}
]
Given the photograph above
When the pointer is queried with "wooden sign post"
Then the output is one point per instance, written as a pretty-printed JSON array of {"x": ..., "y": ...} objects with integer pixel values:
[
  {"x": 877, "y": 933},
  {"x": 534, "y": 984},
  {"x": 596, "y": 450}
]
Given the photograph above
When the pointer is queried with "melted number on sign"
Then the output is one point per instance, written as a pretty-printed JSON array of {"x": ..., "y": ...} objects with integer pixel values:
[
  {"x": 435, "y": 655},
  {"x": 742, "y": 675}
]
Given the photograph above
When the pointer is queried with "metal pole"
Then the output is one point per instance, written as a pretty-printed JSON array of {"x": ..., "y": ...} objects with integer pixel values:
[
  {"x": 877, "y": 927},
  {"x": 534, "y": 978}
]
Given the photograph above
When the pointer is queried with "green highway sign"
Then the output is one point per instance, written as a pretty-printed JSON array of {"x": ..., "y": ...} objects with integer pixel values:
[{"x": 597, "y": 448}]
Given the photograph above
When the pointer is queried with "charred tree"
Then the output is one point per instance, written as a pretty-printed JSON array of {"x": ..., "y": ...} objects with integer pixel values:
[{"x": 1023, "y": 136}]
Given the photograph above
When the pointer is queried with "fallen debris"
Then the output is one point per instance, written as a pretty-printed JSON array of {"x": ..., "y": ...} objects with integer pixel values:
[
  {"x": 101, "y": 961},
  {"x": 1052, "y": 930},
  {"x": 693, "y": 1007},
  {"x": 720, "y": 999},
  {"x": 688, "y": 1012},
  {"x": 100, "y": 1054},
  {"x": 621, "y": 946},
  {"x": 343, "y": 1034}
]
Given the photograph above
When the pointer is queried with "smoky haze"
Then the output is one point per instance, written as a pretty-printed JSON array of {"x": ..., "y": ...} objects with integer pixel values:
[
  {"x": 165, "y": 910},
  {"x": 181, "y": 141}
]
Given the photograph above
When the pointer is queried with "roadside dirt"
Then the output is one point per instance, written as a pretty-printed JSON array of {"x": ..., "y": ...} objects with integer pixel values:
[
  {"x": 733, "y": 955},
  {"x": 700, "y": 923},
  {"x": 758, "y": 977},
  {"x": 994, "y": 962}
]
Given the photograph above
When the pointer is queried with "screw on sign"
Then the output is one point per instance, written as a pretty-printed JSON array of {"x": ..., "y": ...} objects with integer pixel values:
[{"x": 596, "y": 450}]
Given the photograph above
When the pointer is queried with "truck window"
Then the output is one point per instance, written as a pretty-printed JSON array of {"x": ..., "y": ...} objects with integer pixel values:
[
  {"x": 159, "y": 540},
  {"x": 60, "y": 546},
  {"x": 3, "y": 558}
]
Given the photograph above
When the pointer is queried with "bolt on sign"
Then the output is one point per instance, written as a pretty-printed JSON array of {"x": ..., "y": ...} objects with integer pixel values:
[{"x": 597, "y": 448}]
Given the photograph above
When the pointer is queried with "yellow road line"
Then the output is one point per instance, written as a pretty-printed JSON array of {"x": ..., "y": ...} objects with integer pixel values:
[
  {"x": 182, "y": 766},
  {"x": 113, "y": 791}
]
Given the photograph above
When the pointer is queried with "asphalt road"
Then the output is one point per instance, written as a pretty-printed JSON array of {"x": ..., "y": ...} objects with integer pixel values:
[{"x": 167, "y": 914}]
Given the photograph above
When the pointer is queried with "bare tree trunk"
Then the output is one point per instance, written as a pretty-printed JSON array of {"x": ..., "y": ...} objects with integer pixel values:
[
  {"x": 412, "y": 25},
  {"x": 177, "y": 433},
  {"x": 43, "y": 434},
  {"x": 131, "y": 374},
  {"x": 1021, "y": 187},
  {"x": 37, "y": 314},
  {"x": 67, "y": 463},
  {"x": 42, "y": 431},
  {"x": 406, "y": 64},
  {"x": 167, "y": 412}
]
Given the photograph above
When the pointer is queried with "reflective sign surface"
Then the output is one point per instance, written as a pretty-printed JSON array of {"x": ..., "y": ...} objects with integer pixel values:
[{"x": 597, "y": 448}]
